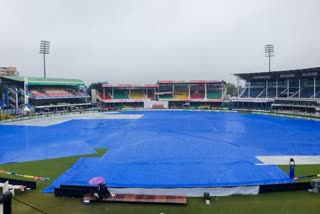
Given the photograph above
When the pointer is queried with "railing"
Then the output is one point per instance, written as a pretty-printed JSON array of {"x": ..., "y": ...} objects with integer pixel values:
[
  {"x": 243, "y": 91},
  {"x": 261, "y": 93},
  {"x": 13, "y": 91},
  {"x": 294, "y": 94}
]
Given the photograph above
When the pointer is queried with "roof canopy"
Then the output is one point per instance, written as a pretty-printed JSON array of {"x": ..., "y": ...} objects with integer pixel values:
[
  {"x": 287, "y": 74},
  {"x": 47, "y": 81}
]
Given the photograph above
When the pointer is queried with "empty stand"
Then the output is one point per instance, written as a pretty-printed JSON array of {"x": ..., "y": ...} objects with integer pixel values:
[
  {"x": 58, "y": 93},
  {"x": 181, "y": 95},
  {"x": 121, "y": 94},
  {"x": 214, "y": 94},
  {"x": 181, "y": 91},
  {"x": 197, "y": 94},
  {"x": 137, "y": 94},
  {"x": 151, "y": 94},
  {"x": 165, "y": 96},
  {"x": 55, "y": 92},
  {"x": 197, "y": 91},
  {"x": 37, "y": 94}
]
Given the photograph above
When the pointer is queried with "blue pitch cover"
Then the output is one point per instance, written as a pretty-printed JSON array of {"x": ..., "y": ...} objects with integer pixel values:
[{"x": 189, "y": 149}]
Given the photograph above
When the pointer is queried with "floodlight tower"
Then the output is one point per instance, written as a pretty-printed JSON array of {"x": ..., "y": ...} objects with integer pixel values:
[
  {"x": 269, "y": 51},
  {"x": 44, "y": 49}
]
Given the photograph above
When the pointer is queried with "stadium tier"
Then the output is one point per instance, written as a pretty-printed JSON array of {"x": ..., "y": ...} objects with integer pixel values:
[
  {"x": 214, "y": 94},
  {"x": 179, "y": 94},
  {"x": 181, "y": 91},
  {"x": 294, "y": 90},
  {"x": 37, "y": 93},
  {"x": 151, "y": 93},
  {"x": 165, "y": 96},
  {"x": 137, "y": 94},
  {"x": 44, "y": 94},
  {"x": 121, "y": 94},
  {"x": 197, "y": 91}
]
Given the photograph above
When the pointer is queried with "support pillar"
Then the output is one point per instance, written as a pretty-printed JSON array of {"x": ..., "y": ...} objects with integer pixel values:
[
  {"x": 299, "y": 87},
  {"x": 276, "y": 88},
  {"x": 288, "y": 88},
  {"x": 314, "y": 87},
  {"x": 266, "y": 88}
]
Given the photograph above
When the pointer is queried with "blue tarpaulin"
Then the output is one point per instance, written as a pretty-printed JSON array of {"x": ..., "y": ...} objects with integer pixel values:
[
  {"x": 29, "y": 143},
  {"x": 167, "y": 148},
  {"x": 190, "y": 149}
]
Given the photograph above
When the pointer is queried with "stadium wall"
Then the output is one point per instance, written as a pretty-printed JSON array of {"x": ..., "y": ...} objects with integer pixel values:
[{"x": 152, "y": 104}]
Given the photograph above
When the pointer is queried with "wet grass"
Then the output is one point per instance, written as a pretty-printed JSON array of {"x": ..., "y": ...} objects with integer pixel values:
[{"x": 288, "y": 202}]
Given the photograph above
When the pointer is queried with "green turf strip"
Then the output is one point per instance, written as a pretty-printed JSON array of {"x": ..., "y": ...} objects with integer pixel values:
[{"x": 289, "y": 202}]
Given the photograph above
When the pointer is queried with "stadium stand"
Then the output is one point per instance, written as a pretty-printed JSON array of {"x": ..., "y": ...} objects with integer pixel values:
[
  {"x": 121, "y": 94},
  {"x": 107, "y": 94},
  {"x": 214, "y": 95},
  {"x": 197, "y": 91},
  {"x": 53, "y": 92},
  {"x": 215, "y": 90},
  {"x": 165, "y": 96},
  {"x": 37, "y": 94},
  {"x": 151, "y": 94},
  {"x": 197, "y": 95},
  {"x": 49, "y": 94},
  {"x": 178, "y": 94},
  {"x": 137, "y": 94},
  {"x": 181, "y": 91},
  {"x": 181, "y": 95},
  {"x": 289, "y": 90}
]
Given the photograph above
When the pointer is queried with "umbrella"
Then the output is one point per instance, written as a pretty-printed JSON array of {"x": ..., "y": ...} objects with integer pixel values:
[{"x": 97, "y": 180}]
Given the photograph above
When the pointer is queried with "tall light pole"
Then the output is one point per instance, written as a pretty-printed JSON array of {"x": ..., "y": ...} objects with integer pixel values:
[
  {"x": 269, "y": 51},
  {"x": 44, "y": 49}
]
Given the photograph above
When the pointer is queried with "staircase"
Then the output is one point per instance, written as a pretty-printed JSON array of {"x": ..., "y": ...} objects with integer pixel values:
[
  {"x": 261, "y": 93},
  {"x": 243, "y": 91},
  {"x": 294, "y": 94}
]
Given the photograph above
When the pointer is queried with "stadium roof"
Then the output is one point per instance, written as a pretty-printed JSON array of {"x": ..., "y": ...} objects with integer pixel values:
[
  {"x": 47, "y": 81},
  {"x": 186, "y": 82},
  {"x": 286, "y": 74}
]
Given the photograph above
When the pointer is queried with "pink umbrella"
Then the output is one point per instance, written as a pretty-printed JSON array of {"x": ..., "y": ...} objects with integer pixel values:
[{"x": 97, "y": 180}]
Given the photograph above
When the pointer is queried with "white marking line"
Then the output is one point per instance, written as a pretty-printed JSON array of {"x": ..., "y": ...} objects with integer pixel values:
[
  {"x": 284, "y": 160},
  {"x": 53, "y": 120}
]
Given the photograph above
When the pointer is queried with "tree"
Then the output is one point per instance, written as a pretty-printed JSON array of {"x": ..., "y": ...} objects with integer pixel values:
[
  {"x": 97, "y": 86},
  {"x": 231, "y": 90}
]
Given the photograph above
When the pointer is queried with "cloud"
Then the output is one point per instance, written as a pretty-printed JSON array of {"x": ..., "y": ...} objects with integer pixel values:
[{"x": 135, "y": 41}]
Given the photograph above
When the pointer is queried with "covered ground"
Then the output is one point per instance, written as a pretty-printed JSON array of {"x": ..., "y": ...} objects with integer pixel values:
[
  {"x": 167, "y": 149},
  {"x": 175, "y": 149}
]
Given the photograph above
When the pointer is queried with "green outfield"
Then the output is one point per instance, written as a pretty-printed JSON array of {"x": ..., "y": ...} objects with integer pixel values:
[{"x": 290, "y": 202}]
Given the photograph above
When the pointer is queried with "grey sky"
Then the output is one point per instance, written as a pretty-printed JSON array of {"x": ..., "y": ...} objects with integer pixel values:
[{"x": 136, "y": 41}]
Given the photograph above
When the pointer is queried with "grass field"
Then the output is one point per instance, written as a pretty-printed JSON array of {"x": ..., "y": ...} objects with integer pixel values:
[{"x": 290, "y": 202}]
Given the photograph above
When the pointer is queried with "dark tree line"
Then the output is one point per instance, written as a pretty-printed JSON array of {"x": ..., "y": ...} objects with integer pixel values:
[
  {"x": 95, "y": 85},
  {"x": 231, "y": 89}
]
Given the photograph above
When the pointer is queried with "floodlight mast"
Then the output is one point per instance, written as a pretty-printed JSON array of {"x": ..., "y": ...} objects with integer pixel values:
[
  {"x": 44, "y": 49},
  {"x": 269, "y": 52}
]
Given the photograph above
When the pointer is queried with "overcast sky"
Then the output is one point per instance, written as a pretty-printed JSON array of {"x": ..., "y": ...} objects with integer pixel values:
[{"x": 141, "y": 41}]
